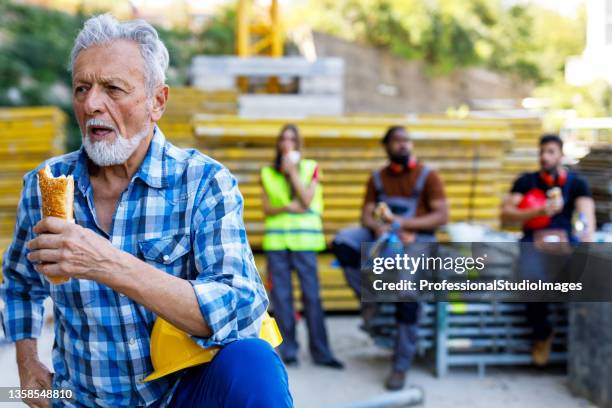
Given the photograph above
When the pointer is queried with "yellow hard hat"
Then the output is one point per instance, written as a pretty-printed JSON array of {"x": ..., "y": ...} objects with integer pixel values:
[{"x": 173, "y": 349}]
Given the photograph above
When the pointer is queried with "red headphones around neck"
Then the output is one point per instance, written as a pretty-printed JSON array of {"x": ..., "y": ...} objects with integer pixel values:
[
  {"x": 398, "y": 168},
  {"x": 552, "y": 181}
]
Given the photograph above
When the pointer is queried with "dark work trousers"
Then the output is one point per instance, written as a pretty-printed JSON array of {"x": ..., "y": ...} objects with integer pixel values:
[
  {"x": 535, "y": 266},
  {"x": 352, "y": 275},
  {"x": 280, "y": 264},
  {"x": 406, "y": 316},
  {"x": 538, "y": 319}
]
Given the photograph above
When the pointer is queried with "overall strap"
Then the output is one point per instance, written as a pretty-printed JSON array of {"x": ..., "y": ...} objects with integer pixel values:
[
  {"x": 418, "y": 188},
  {"x": 378, "y": 186}
]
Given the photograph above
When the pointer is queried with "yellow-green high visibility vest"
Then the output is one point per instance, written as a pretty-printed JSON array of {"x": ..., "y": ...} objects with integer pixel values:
[{"x": 296, "y": 232}]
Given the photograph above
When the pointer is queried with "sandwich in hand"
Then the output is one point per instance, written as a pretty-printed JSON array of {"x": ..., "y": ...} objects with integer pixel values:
[{"x": 57, "y": 200}]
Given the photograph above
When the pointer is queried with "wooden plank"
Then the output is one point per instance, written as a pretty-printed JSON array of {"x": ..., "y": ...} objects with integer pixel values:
[
  {"x": 354, "y": 214},
  {"x": 254, "y": 190}
]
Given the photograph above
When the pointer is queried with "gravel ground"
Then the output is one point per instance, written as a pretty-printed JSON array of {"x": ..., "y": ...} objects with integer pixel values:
[
  {"x": 368, "y": 365},
  {"x": 366, "y": 368}
]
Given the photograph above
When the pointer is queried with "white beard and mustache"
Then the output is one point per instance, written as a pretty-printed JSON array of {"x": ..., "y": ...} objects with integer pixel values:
[{"x": 110, "y": 153}]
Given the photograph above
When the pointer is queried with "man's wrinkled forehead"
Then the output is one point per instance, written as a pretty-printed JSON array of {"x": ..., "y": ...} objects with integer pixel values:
[
  {"x": 93, "y": 77},
  {"x": 120, "y": 60}
]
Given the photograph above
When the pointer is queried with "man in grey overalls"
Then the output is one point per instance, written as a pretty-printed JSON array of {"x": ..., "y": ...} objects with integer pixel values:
[{"x": 415, "y": 195}]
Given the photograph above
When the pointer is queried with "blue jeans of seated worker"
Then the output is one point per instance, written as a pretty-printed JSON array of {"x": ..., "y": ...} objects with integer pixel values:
[
  {"x": 535, "y": 266},
  {"x": 406, "y": 337},
  {"x": 532, "y": 266},
  {"x": 244, "y": 374},
  {"x": 406, "y": 317}
]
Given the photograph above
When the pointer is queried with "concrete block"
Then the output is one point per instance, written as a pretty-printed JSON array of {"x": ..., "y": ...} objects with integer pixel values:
[
  {"x": 265, "y": 66},
  {"x": 289, "y": 105}
]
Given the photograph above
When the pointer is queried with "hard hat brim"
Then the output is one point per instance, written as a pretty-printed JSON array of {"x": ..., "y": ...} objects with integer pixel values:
[
  {"x": 269, "y": 332},
  {"x": 192, "y": 362}
]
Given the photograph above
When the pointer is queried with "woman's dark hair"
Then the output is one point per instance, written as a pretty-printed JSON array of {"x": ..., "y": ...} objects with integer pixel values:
[{"x": 298, "y": 142}]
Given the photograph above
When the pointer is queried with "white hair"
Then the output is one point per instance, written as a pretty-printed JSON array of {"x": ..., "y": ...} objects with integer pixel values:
[
  {"x": 104, "y": 29},
  {"x": 110, "y": 153}
]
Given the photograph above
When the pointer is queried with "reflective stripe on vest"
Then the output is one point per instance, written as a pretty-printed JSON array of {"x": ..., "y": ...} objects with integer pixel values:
[{"x": 296, "y": 232}]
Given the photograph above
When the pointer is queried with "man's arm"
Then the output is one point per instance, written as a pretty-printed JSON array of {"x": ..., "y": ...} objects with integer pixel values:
[
  {"x": 165, "y": 295},
  {"x": 32, "y": 373},
  {"x": 26, "y": 349},
  {"x": 435, "y": 218},
  {"x": 367, "y": 216},
  {"x": 510, "y": 212},
  {"x": 367, "y": 211},
  {"x": 23, "y": 294},
  {"x": 438, "y": 207},
  {"x": 22, "y": 289},
  {"x": 229, "y": 290},
  {"x": 64, "y": 248},
  {"x": 586, "y": 205},
  {"x": 228, "y": 286}
]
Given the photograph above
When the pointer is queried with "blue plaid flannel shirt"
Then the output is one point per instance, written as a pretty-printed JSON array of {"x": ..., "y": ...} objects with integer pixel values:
[{"x": 182, "y": 213}]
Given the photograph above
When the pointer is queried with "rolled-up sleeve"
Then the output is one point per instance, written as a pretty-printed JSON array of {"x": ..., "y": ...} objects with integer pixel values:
[
  {"x": 228, "y": 287},
  {"x": 22, "y": 289}
]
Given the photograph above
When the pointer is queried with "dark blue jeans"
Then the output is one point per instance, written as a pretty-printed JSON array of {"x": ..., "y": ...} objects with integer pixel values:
[
  {"x": 246, "y": 373},
  {"x": 280, "y": 264},
  {"x": 533, "y": 265}
]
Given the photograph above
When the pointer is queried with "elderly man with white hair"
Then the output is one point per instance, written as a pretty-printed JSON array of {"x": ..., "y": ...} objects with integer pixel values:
[{"x": 158, "y": 231}]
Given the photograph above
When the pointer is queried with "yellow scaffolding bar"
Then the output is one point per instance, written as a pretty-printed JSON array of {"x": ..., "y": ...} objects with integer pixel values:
[{"x": 269, "y": 41}]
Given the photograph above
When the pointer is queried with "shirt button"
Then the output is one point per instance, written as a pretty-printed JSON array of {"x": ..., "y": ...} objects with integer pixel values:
[
  {"x": 166, "y": 258},
  {"x": 122, "y": 295},
  {"x": 132, "y": 341}
]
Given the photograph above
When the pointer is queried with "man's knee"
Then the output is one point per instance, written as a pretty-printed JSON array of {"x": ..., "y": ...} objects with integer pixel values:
[
  {"x": 253, "y": 374},
  {"x": 248, "y": 351}
]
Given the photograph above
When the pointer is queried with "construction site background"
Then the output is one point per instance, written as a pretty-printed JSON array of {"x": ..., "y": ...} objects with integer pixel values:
[{"x": 478, "y": 127}]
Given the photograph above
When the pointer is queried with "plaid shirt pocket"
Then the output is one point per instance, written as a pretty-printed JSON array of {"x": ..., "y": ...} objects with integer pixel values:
[{"x": 168, "y": 253}]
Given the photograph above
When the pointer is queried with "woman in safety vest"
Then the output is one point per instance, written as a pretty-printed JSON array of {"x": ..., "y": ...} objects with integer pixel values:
[{"x": 292, "y": 203}]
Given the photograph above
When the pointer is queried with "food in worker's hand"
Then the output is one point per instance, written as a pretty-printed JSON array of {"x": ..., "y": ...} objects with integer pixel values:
[
  {"x": 57, "y": 195},
  {"x": 382, "y": 212},
  {"x": 554, "y": 194}
]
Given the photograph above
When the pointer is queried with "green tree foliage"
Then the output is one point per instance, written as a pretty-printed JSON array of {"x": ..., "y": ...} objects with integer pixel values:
[
  {"x": 218, "y": 36},
  {"x": 215, "y": 38},
  {"x": 35, "y": 46},
  {"x": 33, "y": 54},
  {"x": 447, "y": 34}
]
